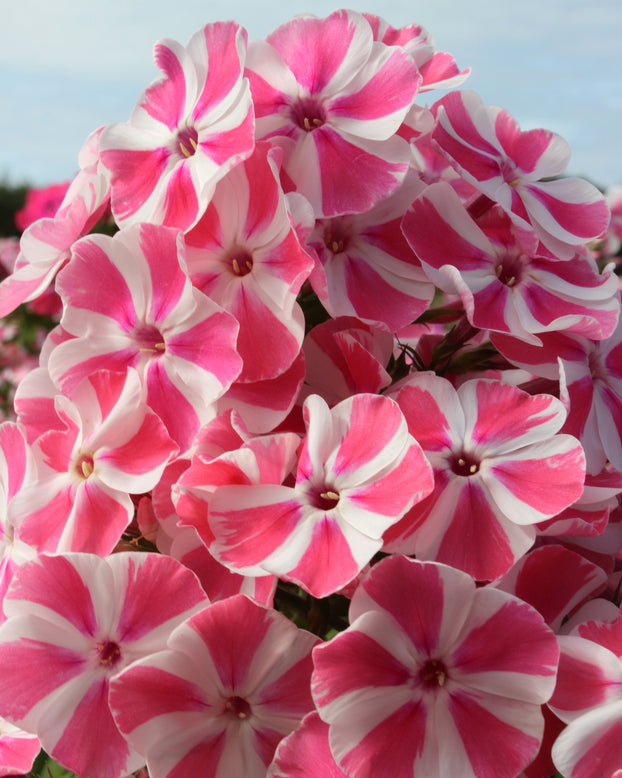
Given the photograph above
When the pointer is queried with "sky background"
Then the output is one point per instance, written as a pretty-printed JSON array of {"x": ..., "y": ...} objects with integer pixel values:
[{"x": 69, "y": 66}]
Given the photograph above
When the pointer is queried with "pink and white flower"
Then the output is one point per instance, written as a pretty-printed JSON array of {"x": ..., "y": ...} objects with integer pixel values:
[
  {"x": 146, "y": 314},
  {"x": 434, "y": 676},
  {"x": 321, "y": 90},
  {"x": 17, "y": 472},
  {"x": 18, "y": 749},
  {"x": 590, "y": 375},
  {"x": 343, "y": 357},
  {"x": 232, "y": 682},
  {"x": 306, "y": 752},
  {"x": 186, "y": 132},
  {"x": 245, "y": 255},
  {"x": 587, "y": 696},
  {"x": 73, "y": 622},
  {"x": 366, "y": 267},
  {"x": 485, "y": 144},
  {"x": 438, "y": 69},
  {"x": 46, "y": 244},
  {"x": 504, "y": 282},
  {"x": 105, "y": 445},
  {"x": 350, "y": 487},
  {"x": 499, "y": 465}
]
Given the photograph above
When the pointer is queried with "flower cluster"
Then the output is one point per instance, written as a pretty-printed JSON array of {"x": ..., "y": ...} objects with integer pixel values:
[{"x": 318, "y": 472}]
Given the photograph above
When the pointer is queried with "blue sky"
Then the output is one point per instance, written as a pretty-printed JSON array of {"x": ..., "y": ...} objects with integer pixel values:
[{"x": 69, "y": 66}]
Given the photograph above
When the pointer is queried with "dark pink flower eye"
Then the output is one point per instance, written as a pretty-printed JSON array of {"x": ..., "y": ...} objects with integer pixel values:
[{"x": 108, "y": 653}]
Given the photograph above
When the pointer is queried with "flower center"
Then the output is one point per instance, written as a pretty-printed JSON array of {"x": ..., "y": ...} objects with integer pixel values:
[
  {"x": 336, "y": 236},
  {"x": 509, "y": 269},
  {"x": 187, "y": 141},
  {"x": 433, "y": 674},
  {"x": 308, "y": 114},
  {"x": 149, "y": 340},
  {"x": 237, "y": 707},
  {"x": 240, "y": 262},
  {"x": 108, "y": 653},
  {"x": 84, "y": 466},
  {"x": 324, "y": 500},
  {"x": 464, "y": 464}
]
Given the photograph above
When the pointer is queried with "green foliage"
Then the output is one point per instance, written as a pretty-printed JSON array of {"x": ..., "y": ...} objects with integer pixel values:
[
  {"x": 11, "y": 200},
  {"x": 45, "y": 767}
]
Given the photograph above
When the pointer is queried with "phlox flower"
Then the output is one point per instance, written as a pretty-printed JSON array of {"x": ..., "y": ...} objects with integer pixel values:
[
  {"x": 612, "y": 240},
  {"x": 264, "y": 405},
  {"x": 46, "y": 244},
  {"x": 438, "y": 69},
  {"x": 105, "y": 444},
  {"x": 590, "y": 375},
  {"x": 17, "y": 471},
  {"x": 504, "y": 284},
  {"x": 129, "y": 303},
  {"x": 73, "y": 622},
  {"x": 186, "y": 132},
  {"x": 222, "y": 434},
  {"x": 485, "y": 144},
  {"x": 333, "y": 99},
  {"x": 555, "y": 581},
  {"x": 18, "y": 749},
  {"x": 268, "y": 459},
  {"x": 366, "y": 267},
  {"x": 434, "y": 676},
  {"x": 306, "y": 752},
  {"x": 587, "y": 696},
  {"x": 358, "y": 472},
  {"x": 344, "y": 356},
  {"x": 499, "y": 465},
  {"x": 232, "y": 682},
  {"x": 244, "y": 254}
]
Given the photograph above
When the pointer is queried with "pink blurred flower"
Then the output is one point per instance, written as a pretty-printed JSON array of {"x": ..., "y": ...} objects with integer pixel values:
[{"x": 41, "y": 202}]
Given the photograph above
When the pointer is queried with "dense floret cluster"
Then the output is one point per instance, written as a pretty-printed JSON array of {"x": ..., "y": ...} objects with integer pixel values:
[{"x": 318, "y": 472}]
